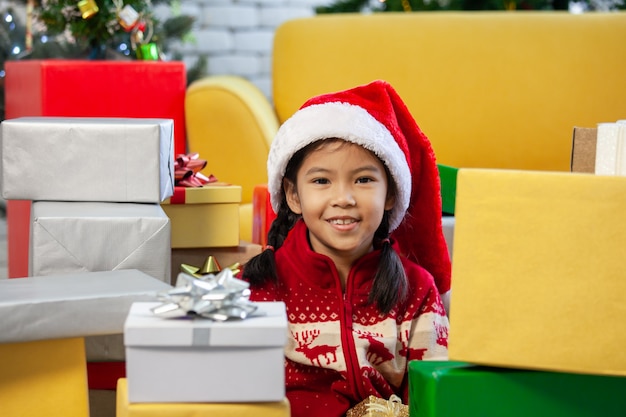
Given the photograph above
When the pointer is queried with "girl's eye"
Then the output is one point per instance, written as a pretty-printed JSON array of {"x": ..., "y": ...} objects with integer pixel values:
[
  {"x": 320, "y": 181},
  {"x": 364, "y": 180}
]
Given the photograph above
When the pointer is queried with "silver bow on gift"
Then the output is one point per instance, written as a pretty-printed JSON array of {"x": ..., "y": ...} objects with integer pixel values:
[{"x": 217, "y": 297}]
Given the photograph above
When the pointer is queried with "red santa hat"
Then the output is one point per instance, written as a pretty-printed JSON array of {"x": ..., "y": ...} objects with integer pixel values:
[{"x": 375, "y": 117}]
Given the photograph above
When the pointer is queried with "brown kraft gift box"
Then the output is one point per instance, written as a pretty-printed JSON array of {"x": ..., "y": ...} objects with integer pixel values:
[{"x": 584, "y": 149}]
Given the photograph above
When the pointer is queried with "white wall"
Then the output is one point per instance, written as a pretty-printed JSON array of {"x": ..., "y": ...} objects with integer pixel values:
[{"x": 236, "y": 35}]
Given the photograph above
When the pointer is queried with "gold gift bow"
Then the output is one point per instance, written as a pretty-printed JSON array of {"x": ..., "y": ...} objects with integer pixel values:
[
  {"x": 391, "y": 408},
  {"x": 210, "y": 266}
]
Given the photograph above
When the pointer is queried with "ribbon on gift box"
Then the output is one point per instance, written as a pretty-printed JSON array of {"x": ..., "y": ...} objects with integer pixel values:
[
  {"x": 219, "y": 297},
  {"x": 379, "y": 407},
  {"x": 181, "y": 194},
  {"x": 393, "y": 407},
  {"x": 187, "y": 169}
]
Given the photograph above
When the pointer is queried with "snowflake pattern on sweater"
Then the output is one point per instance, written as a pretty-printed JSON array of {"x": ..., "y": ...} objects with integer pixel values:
[{"x": 341, "y": 349}]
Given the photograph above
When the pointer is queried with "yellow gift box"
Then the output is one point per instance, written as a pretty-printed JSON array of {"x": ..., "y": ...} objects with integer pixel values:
[
  {"x": 205, "y": 216},
  {"x": 260, "y": 409},
  {"x": 538, "y": 271},
  {"x": 44, "y": 378}
]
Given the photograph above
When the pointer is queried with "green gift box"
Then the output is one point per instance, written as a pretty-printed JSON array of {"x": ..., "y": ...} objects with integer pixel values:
[
  {"x": 453, "y": 389},
  {"x": 447, "y": 176}
]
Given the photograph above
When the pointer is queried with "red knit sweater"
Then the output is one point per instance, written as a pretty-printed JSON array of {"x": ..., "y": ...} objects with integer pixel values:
[{"x": 340, "y": 349}]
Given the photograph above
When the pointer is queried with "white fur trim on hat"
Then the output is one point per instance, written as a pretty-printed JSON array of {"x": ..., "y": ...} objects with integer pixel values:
[{"x": 350, "y": 123}]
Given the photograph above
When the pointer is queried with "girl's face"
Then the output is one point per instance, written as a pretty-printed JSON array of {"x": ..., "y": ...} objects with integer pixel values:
[{"x": 341, "y": 193}]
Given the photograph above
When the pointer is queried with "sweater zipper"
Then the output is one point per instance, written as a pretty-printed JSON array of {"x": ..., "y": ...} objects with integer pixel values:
[{"x": 352, "y": 364}]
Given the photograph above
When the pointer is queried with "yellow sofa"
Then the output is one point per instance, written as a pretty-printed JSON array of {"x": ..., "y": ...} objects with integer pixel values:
[{"x": 490, "y": 89}]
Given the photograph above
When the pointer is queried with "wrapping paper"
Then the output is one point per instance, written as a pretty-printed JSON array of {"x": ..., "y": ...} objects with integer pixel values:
[
  {"x": 447, "y": 223},
  {"x": 204, "y": 217},
  {"x": 584, "y": 149},
  {"x": 439, "y": 389},
  {"x": 125, "y": 408},
  {"x": 68, "y": 237},
  {"x": 134, "y": 89},
  {"x": 213, "y": 193},
  {"x": 43, "y": 378},
  {"x": 87, "y": 159},
  {"x": 538, "y": 271},
  {"x": 447, "y": 176},
  {"x": 233, "y": 361},
  {"x": 610, "y": 157},
  {"x": 71, "y": 305},
  {"x": 607, "y": 148}
]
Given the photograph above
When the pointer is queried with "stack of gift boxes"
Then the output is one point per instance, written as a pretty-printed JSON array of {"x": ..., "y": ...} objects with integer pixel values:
[
  {"x": 204, "y": 212},
  {"x": 537, "y": 310},
  {"x": 45, "y": 321},
  {"x": 195, "y": 365},
  {"x": 99, "y": 241},
  {"x": 97, "y": 185}
]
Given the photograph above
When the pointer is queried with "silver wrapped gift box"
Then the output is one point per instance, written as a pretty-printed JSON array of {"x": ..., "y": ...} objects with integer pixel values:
[
  {"x": 88, "y": 159},
  {"x": 71, "y": 305},
  {"x": 71, "y": 237}
]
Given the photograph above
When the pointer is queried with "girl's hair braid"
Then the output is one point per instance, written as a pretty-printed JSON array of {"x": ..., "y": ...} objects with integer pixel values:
[
  {"x": 390, "y": 285},
  {"x": 262, "y": 267}
]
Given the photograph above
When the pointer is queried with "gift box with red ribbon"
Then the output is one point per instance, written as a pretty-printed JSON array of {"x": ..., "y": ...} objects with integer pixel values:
[{"x": 206, "y": 216}]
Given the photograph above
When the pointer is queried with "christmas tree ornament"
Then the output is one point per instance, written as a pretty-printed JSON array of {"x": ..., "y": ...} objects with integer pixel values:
[
  {"x": 136, "y": 37},
  {"x": 128, "y": 17},
  {"x": 140, "y": 42},
  {"x": 148, "y": 52},
  {"x": 88, "y": 8}
]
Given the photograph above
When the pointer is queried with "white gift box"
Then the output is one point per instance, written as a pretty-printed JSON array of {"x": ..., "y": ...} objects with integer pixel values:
[
  {"x": 88, "y": 159},
  {"x": 72, "y": 305},
  {"x": 199, "y": 360},
  {"x": 71, "y": 237}
]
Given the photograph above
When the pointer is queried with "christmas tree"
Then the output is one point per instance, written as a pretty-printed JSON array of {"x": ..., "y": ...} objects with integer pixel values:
[
  {"x": 101, "y": 29},
  {"x": 126, "y": 27}
]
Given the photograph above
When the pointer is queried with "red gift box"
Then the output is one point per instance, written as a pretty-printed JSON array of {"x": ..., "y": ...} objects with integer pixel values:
[{"x": 67, "y": 88}]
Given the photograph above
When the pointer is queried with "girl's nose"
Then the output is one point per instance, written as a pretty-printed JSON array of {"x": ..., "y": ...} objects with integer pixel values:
[{"x": 343, "y": 196}]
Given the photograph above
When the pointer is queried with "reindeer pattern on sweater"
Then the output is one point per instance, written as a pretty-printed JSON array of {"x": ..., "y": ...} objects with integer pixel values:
[{"x": 340, "y": 348}]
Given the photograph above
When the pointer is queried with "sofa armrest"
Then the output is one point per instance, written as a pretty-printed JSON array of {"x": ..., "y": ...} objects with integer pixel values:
[{"x": 231, "y": 124}]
